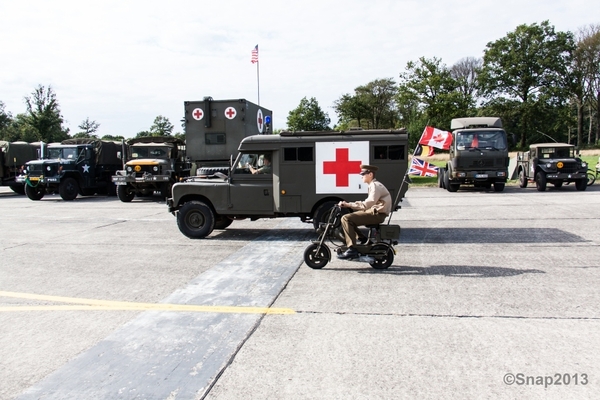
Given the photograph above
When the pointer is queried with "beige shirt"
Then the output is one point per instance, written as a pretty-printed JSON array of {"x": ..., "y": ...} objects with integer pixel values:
[{"x": 378, "y": 198}]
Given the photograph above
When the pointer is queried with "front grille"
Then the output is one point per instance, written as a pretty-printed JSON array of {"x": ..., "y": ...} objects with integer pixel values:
[
  {"x": 145, "y": 169},
  {"x": 481, "y": 163},
  {"x": 569, "y": 167}
]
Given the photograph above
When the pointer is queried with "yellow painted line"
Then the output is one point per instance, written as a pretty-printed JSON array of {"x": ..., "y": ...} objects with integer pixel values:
[{"x": 93, "y": 304}]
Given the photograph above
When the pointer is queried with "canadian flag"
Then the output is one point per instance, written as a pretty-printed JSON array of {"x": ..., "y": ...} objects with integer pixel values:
[{"x": 436, "y": 138}]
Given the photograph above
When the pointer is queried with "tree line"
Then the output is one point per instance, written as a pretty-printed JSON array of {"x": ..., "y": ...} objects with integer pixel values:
[
  {"x": 544, "y": 84},
  {"x": 43, "y": 121}
]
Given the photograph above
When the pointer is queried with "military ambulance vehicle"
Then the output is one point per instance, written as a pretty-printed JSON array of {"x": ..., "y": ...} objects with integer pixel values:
[
  {"x": 153, "y": 164},
  {"x": 554, "y": 163},
  {"x": 215, "y": 128},
  {"x": 293, "y": 174},
  {"x": 75, "y": 166},
  {"x": 13, "y": 156},
  {"x": 478, "y": 155}
]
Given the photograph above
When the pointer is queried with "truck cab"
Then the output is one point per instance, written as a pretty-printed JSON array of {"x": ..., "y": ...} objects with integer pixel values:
[
  {"x": 478, "y": 154},
  {"x": 554, "y": 163},
  {"x": 309, "y": 173},
  {"x": 153, "y": 164}
]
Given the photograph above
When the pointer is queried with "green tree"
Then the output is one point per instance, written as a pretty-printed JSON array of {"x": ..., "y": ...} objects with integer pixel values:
[
  {"x": 43, "y": 115},
  {"x": 588, "y": 60},
  {"x": 117, "y": 138},
  {"x": 308, "y": 116},
  {"x": 5, "y": 121},
  {"x": 372, "y": 106},
  {"x": 528, "y": 67},
  {"x": 88, "y": 129},
  {"x": 161, "y": 127}
]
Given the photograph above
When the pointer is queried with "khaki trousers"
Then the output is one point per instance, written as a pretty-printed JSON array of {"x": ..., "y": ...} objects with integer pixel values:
[{"x": 351, "y": 222}]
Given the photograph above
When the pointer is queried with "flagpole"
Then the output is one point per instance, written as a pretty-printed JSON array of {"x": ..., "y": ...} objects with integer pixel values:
[{"x": 258, "y": 81}]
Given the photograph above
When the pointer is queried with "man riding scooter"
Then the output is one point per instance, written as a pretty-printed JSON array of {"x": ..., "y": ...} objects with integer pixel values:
[{"x": 371, "y": 211}]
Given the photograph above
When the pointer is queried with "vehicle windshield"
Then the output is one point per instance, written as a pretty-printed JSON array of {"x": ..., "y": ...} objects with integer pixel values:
[
  {"x": 150, "y": 152},
  {"x": 69, "y": 153},
  {"x": 495, "y": 140},
  {"x": 557, "y": 152}
]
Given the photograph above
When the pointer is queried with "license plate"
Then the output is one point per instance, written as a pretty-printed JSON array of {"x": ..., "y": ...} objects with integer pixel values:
[{"x": 479, "y": 176}]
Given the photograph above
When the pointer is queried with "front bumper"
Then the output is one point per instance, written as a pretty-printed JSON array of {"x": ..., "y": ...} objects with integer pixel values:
[
  {"x": 566, "y": 176},
  {"x": 130, "y": 180}
]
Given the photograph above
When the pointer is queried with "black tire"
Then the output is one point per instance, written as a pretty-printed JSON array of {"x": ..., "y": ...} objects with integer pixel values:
[
  {"x": 317, "y": 259},
  {"x": 165, "y": 190},
  {"x": 440, "y": 178},
  {"x": 499, "y": 186},
  {"x": 111, "y": 189},
  {"x": 522, "y": 179},
  {"x": 222, "y": 222},
  {"x": 68, "y": 189},
  {"x": 591, "y": 177},
  {"x": 35, "y": 193},
  {"x": 581, "y": 184},
  {"x": 19, "y": 189},
  {"x": 558, "y": 184},
  {"x": 196, "y": 220},
  {"x": 453, "y": 187},
  {"x": 540, "y": 181},
  {"x": 384, "y": 260},
  {"x": 125, "y": 193}
]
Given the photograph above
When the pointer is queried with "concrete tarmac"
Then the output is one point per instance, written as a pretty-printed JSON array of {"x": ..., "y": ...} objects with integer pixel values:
[{"x": 491, "y": 295}]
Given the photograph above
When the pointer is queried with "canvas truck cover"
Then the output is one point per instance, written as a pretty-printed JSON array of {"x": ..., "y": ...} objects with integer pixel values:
[
  {"x": 17, "y": 153},
  {"x": 106, "y": 151}
]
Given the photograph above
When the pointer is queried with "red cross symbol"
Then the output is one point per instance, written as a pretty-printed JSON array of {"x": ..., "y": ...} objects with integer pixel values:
[
  {"x": 230, "y": 112},
  {"x": 198, "y": 114},
  {"x": 259, "y": 121},
  {"x": 341, "y": 167}
]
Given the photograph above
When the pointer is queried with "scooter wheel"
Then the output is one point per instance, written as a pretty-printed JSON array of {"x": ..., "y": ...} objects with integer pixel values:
[
  {"x": 316, "y": 257},
  {"x": 384, "y": 256}
]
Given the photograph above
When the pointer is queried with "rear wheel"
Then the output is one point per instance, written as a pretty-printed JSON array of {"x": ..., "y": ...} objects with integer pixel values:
[
  {"x": 316, "y": 257},
  {"x": 34, "y": 192},
  {"x": 125, "y": 193},
  {"x": 591, "y": 177},
  {"x": 195, "y": 220},
  {"x": 540, "y": 181},
  {"x": 581, "y": 184},
  {"x": 522, "y": 179},
  {"x": 440, "y": 178},
  {"x": 384, "y": 256},
  {"x": 68, "y": 189}
]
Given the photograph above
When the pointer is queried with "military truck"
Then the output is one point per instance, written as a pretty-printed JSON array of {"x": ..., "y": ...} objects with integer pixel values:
[
  {"x": 214, "y": 129},
  {"x": 309, "y": 173},
  {"x": 478, "y": 155},
  {"x": 75, "y": 166},
  {"x": 152, "y": 164},
  {"x": 554, "y": 163},
  {"x": 13, "y": 156}
]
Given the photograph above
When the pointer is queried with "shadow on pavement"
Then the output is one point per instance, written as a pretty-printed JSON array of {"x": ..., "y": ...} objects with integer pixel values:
[
  {"x": 487, "y": 235},
  {"x": 462, "y": 271}
]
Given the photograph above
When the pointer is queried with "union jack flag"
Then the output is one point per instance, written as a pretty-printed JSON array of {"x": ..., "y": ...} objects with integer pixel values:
[
  {"x": 254, "y": 59},
  {"x": 422, "y": 168}
]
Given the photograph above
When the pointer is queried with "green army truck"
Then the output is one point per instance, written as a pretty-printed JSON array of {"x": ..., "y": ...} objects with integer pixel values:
[
  {"x": 305, "y": 175},
  {"x": 214, "y": 129},
  {"x": 151, "y": 164},
  {"x": 13, "y": 157},
  {"x": 73, "y": 167},
  {"x": 554, "y": 163},
  {"x": 478, "y": 155}
]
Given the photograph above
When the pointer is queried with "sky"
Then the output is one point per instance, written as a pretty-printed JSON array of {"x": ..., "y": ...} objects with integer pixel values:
[{"x": 123, "y": 63}]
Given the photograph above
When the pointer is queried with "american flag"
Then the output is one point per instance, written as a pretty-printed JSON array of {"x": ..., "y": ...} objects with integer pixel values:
[
  {"x": 422, "y": 168},
  {"x": 254, "y": 59}
]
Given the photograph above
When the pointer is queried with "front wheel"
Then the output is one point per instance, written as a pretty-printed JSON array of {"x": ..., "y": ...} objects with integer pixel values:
[
  {"x": 196, "y": 220},
  {"x": 68, "y": 189},
  {"x": 34, "y": 192},
  {"x": 591, "y": 177},
  {"x": 316, "y": 257},
  {"x": 125, "y": 193},
  {"x": 499, "y": 186},
  {"x": 540, "y": 181},
  {"x": 581, "y": 184},
  {"x": 522, "y": 179},
  {"x": 440, "y": 178},
  {"x": 384, "y": 256}
]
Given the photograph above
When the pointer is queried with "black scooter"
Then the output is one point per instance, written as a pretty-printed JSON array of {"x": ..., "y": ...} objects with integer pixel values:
[{"x": 378, "y": 251}]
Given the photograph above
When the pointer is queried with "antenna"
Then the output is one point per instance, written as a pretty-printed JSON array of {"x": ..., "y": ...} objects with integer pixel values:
[{"x": 548, "y": 136}]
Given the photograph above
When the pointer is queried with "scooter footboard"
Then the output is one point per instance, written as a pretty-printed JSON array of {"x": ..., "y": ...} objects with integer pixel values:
[{"x": 389, "y": 232}]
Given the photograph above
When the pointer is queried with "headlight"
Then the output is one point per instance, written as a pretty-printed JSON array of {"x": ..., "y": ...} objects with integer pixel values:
[
  {"x": 48, "y": 168},
  {"x": 128, "y": 169},
  {"x": 583, "y": 165},
  {"x": 155, "y": 168},
  {"x": 501, "y": 173},
  {"x": 549, "y": 165}
]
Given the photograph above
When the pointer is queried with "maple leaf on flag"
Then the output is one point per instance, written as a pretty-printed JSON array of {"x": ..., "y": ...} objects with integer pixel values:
[{"x": 436, "y": 138}]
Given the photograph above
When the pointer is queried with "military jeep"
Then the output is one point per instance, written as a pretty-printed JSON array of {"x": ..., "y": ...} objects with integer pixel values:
[{"x": 555, "y": 163}]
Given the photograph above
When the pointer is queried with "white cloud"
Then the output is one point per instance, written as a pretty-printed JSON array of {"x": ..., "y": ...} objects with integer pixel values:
[{"x": 122, "y": 63}]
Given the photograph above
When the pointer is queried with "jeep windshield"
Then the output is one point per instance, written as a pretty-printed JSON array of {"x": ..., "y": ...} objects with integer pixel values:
[
  {"x": 480, "y": 140},
  {"x": 69, "y": 153},
  {"x": 557, "y": 152},
  {"x": 138, "y": 152}
]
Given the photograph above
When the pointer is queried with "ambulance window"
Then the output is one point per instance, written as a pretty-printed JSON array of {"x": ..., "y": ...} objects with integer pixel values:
[
  {"x": 298, "y": 154},
  {"x": 395, "y": 152}
]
